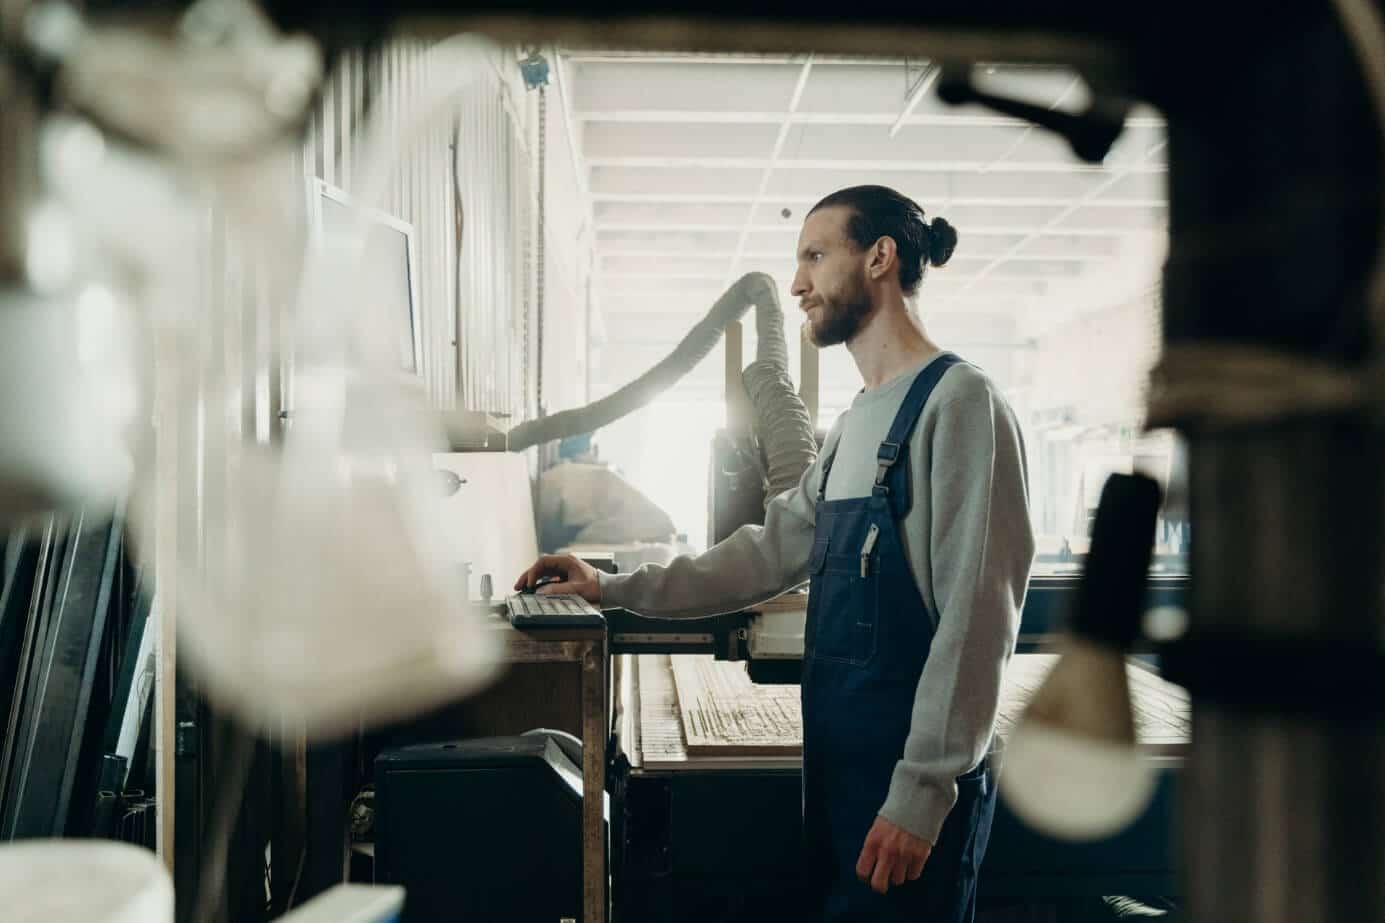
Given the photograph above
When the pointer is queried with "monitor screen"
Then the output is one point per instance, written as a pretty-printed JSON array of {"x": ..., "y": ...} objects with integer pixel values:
[{"x": 388, "y": 270}]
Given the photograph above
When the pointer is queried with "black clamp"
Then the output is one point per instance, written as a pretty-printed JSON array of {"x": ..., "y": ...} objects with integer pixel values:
[
  {"x": 1337, "y": 679},
  {"x": 1090, "y": 133}
]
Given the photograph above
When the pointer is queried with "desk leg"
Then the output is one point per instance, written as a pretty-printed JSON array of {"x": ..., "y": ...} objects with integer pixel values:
[{"x": 594, "y": 783}]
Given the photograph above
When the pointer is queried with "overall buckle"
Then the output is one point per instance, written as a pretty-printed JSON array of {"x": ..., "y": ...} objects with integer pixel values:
[{"x": 886, "y": 457}]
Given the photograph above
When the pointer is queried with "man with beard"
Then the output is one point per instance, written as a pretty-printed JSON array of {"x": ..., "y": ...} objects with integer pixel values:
[{"x": 912, "y": 528}]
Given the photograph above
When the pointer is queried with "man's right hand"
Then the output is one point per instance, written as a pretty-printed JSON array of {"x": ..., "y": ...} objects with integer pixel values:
[{"x": 575, "y": 576}]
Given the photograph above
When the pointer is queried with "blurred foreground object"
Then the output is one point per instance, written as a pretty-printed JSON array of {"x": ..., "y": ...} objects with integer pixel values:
[
  {"x": 335, "y": 604},
  {"x": 222, "y": 91},
  {"x": 83, "y": 881},
  {"x": 1071, "y": 767}
]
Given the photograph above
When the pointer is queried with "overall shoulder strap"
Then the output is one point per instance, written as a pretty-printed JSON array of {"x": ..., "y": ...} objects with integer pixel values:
[
  {"x": 830, "y": 456},
  {"x": 892, "y": 481}
]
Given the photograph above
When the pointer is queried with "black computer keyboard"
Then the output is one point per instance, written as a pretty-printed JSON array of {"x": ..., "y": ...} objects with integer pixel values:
[{"x": 558, "y": 610}]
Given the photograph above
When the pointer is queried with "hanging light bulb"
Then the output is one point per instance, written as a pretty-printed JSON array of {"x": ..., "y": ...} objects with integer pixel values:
[{"x": 1071, "y": 766}]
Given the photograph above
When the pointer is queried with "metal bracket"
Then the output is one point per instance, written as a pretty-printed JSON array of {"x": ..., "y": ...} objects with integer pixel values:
[{"x": 1090, "y": 133}]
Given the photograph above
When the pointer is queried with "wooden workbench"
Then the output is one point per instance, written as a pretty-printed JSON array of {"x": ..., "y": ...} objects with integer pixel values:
[{"x": 686, "y": 702}]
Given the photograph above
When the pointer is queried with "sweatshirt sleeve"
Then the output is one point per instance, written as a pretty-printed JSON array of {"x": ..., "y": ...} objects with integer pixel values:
[{"x": 980, "y": 547}]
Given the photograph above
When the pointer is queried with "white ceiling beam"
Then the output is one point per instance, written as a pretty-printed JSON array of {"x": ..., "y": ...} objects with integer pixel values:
[
  {"x": 784, "y": 128},
  {"x": 626, "y": 253},
  {"x": 962, "y": 118},
  {"x": 693, "y": 57},
  {"x": 700, "y": 285},
  {"x": 901, "y": 165},
  {"x": 709, "y": 278},
  {"x": 620, "y": 278},
  {"x": 965, "y": 219},
  {"x": 730, "y": 85},
  {"x": 655, "y": 304},
  {"x": 681, "y": 198},
  {"x": 953, "y": 320},
  {"x": 660, "y": 303},
  {"x": 1012, "y": 230},
  {"x": 929, "y": 188},
  {"x": 1057, "y": 247},
  {"x": 1117, "y": 175},
  {"x": 680, "y": 227},
  {"x": 698, "y": 293},
  {"x": 713, "y": 198},
  {"x": 660, "y": 343},
  {"x": 824, "y": 146},
  {"x": 620, "y": 252},
  {"x": 1025, "y": 71}
]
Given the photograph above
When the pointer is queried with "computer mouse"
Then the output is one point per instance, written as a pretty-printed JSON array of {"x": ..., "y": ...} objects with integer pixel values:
[{"x": 542, "y": 581}]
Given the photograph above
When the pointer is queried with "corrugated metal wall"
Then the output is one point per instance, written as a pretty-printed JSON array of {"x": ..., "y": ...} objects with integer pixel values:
[
  {"x": 467, "y": 178},
  {"x": 476, "y": 314}
]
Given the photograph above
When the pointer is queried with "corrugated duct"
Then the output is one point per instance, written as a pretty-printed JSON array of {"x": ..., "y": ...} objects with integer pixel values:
[{"x": 781, "y": 418}]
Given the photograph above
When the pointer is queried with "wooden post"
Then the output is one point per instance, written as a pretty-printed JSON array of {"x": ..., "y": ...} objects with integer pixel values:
[{"x": 737, "y": 401}]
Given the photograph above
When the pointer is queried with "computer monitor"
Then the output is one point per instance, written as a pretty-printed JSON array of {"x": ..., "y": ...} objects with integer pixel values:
[{"x": 390, "y": 261}]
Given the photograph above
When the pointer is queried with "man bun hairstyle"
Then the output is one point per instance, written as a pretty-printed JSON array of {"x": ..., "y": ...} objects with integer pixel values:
[
  {"x": 879, "y": 211},
  {"x": 942, "y": 240}
]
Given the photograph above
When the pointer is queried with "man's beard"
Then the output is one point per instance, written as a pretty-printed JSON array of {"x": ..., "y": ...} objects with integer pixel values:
[{"x": 841, "y": 317}]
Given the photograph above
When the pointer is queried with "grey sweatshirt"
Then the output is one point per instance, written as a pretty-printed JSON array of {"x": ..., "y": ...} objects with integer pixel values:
[{"x": 968, "y": 539}]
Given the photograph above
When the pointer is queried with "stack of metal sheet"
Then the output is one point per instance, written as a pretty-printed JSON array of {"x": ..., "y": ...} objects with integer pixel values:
[{"x": 72, "y": 635}]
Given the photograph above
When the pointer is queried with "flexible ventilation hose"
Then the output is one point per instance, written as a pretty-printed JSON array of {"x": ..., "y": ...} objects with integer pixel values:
[
  {"x": 782, "y": 423},
  {"x": 781, "y": 419},
  {"x": 754, "y": 288},
  {"x": 770, "y": 347}
]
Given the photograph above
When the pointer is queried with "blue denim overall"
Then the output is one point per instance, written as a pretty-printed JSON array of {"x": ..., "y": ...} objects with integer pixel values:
[{"x": 868, "y": 635}]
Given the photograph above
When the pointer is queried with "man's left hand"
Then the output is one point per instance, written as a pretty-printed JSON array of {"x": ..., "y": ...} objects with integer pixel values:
[{"x": 891, "y": 856}]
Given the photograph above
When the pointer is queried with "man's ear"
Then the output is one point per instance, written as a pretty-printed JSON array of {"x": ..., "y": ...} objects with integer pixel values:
[{"x": 883, "y": 257}]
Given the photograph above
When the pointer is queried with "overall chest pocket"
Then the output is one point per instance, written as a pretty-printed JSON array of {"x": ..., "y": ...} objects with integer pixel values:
[{"x": 845, "y": 602}]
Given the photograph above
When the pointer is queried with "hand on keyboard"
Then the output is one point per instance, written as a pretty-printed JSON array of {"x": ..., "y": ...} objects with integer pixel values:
[
  {"x": 552, "y": 610},
  {"x": 575, "y": 576}
]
